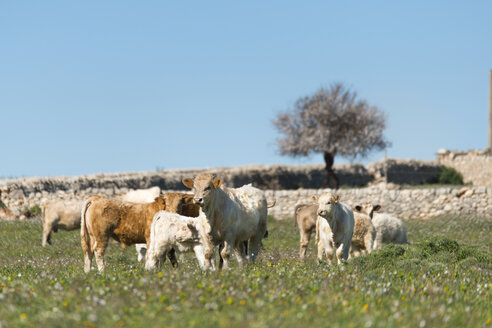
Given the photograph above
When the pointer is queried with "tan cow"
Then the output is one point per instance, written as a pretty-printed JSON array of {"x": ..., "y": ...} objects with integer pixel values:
[
  {"x": 59, "y": 214},
  {"x": 305, "y": 216},
  {"x": 233, "y": 215},
  {"x": 126, "y": 222},
  {"x": 364, "y": 234}
]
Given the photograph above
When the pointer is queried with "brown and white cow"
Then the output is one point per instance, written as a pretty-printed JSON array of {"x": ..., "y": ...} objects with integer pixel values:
[
  {"x": 233, "y": 215},
  {"x": 126, "y": 222},
  {"x": 59, "y": 214}
]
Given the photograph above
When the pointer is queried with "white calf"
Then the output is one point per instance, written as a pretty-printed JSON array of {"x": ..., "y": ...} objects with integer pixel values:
[
  {"x": 340, "y": 219},
  {"x": 389, "y": 229},
  {"x": 171, "y": 230}
]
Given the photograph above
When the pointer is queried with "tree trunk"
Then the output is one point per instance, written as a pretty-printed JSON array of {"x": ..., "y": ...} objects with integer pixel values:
[{"x": 331, "y": 180}]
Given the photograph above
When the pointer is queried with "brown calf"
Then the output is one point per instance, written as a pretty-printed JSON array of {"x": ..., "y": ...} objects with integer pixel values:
[{"x": 305, "y": 216}]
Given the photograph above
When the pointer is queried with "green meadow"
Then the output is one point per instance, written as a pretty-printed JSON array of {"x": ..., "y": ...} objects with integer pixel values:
[{"x": 443, "y": 279}]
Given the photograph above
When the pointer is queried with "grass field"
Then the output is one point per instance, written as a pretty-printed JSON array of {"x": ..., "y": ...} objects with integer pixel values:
[{"x": 443, "y": 279}]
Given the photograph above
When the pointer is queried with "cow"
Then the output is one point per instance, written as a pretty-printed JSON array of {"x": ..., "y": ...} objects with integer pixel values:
[
  {"x": 59, "y": 214},
  {"x": 340, "y": 219},
  {"x": 141, "y": 195},
  {"x": 173, "y": 231},
  {"x": 364, "y": 234},
  {"x": 128, "y": 223},
  {"x": 176, "y": 202},
  {"x": 233, "y": 215},
  {"x": 389, "y": 229},
  {"x": 305, "y": 216}
]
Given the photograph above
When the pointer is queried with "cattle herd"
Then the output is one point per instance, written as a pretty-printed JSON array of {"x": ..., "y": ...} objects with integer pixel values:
[{"x": 214, "y": 217}]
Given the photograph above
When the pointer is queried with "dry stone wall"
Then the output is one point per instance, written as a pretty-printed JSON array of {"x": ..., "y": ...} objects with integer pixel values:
[
  {"x": 404, "y": 203},
  {"x": 290, "y": 185}
]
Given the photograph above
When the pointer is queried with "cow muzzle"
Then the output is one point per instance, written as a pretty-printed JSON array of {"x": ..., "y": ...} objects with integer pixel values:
[
  {"x": 321, "y": 213},
  {"x": 198, "y": 201}
]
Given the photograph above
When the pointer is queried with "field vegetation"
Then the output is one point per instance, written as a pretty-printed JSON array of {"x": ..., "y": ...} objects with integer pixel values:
[{"x": 442, "y": 279}]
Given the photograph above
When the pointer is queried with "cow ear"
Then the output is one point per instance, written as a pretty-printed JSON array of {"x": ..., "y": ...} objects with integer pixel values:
[
  {"x": 358, "y": 208},
  {"x": 188, "y": 182},
  {"x": 377, "y": 207},
  {"x": 217, "y": 182},
  {"x": 315, "y": 198}
]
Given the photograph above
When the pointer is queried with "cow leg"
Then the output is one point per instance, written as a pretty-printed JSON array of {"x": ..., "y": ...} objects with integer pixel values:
[
  {"x": 255, "y": 244},
  {"x": 320, "y": 251},
  {"x": 378, "y": 242},
  {"x": 200, "y": 255},
  {"x": 141, "y": 252},
  {"x": 368, "y": 243},
  {"x": 305, "y": 237},
  {"x": 329, "y": 253},
  {"x": 99, "y": 249},
  {"x": 88, "y": 255},
  {"x": 46, "y": 235},
  {"x": 343, "y": 251},
  {"x": 240, "y": 252},
  {"x": 226, "y": 253},
  {"x": 221, "y": 260}
]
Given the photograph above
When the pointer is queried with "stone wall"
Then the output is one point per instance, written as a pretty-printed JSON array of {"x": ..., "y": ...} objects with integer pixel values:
[
  {"x": 415, "y": 203},
  {"x": 292, "y": 184},
  {"x": 261, "y": 176},
  {"x": 404, "y": 171},
  {"x": 474, "y": 165},
  {"x": 420, "y": 203}
]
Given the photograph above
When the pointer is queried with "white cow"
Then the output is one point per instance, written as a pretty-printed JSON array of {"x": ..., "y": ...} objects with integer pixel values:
[
  {"x": 389, "y": 229},
  {"x": 340, "y": 220},
  {"x": 59, "y": 214},
  {"x": 141, "y": 195},
  {"x": 171, "y": 230},
  {"x": 233, "y": 215}
]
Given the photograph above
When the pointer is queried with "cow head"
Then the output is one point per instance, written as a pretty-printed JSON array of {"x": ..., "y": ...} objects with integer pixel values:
[
  {"x": 367, "y": 209},
  {"x": 326, "y": 205},
  {"x": 203, "y": 186},
  {"x": 174, "y": 202}
]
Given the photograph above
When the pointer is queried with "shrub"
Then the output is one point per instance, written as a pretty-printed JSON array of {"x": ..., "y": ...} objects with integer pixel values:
[
  {"x": 30, "y": 212},
  {"x": 449, "y": 175}
]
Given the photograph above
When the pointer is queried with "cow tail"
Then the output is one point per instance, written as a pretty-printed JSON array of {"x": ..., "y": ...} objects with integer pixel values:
[
  {"x": 296, "y": 209},
  {"x": 84, "y": 233}
]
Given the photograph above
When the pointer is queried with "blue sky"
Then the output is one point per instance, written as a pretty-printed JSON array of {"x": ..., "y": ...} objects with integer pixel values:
[{"x": 116, "y": 86}]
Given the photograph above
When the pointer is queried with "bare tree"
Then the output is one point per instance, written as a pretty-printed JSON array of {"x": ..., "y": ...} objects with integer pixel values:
[{"x": 333, "y": 122}]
